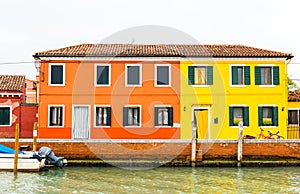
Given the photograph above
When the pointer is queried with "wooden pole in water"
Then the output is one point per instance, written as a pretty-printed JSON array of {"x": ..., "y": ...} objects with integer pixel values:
[
  {"x": 194, "y": 143},
  {"x": 34, "y": 137},
  {"x": 16, "y": 148},
  {"x": 240, "y": 143}
]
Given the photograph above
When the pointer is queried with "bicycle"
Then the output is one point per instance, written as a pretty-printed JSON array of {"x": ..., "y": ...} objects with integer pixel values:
[{"x": 269, "y": 136}]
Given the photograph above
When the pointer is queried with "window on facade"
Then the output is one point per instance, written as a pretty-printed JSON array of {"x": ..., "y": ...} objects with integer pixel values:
[
  {"x": 240, "y": 75},
  {"x": 162, "y": 75},
  {"x": 102, "y": 75},
  {"x": 200, "y": 75},
  {"x": 268, "y": 116},
  {"x": 163, "y": 116},
  {"x": 267, "y": 75},
  {"x": 131, "y": 116},
  {"x": 103, "y": 116},
  {"x": 56, "y": 74},
  {"x": 133, "y": 75},
  {"x": 237, "y": 114},
  {"x": 55, "y": 116},
  {"x": 293, "y": 117},
  {"x": 5, "y": 115}
]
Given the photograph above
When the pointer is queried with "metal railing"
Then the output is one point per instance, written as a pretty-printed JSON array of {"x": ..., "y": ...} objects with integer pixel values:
[{"x": 293, "y": 132}]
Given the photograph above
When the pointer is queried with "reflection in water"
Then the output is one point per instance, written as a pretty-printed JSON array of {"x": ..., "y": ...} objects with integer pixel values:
[{"x": 160, "y": 180}]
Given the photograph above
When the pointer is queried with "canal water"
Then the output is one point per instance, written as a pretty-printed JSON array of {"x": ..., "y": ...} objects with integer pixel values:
[{"x": 158, "y": 180}]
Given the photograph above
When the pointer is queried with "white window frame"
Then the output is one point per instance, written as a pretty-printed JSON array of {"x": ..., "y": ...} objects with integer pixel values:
[
  {"x": 240, "y": 106},
  {"x": 140, "y": 116},
  {"x": 155, "y": 75},
  {"x": 298, "y": 112},
  {"x": 163, "y": 106},
  {"x": 268, "y": 66},
  {"x": 109, "y": 75},
  {"x": 201, "y": 85},
  {"x": 95, "y": 117},
  {"x": 10, "y": 112},
  {"x": 230, "y": 75},
  {"x": 63, "y": 115},
  {"x": 269, "y": 106},
  {"x": 64, "y": 74},
  {"x": 126, "y": 74}
]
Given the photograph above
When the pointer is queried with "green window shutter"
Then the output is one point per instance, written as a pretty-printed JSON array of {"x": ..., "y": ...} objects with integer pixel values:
[
  {"x": 170, "y": 116},
  {"x": 247, "y": 75},
  {"x": 257, "y": 76},
  {"x": 246, "y": 116},
  {"x": 276, "y": 80},
  {"x": 108, "y": 118},
  {"x": 234, "y": 75},
  {"x": 210, "y": 75},
  {"x": 260, "y": 114},
  {"x": 231, "y": 123},
  {"x": 191, "y": 74},
  {"x": 125, "y": 116},
  {"x": 275, "y": 116},
  {"x": 156, "y": 116}
]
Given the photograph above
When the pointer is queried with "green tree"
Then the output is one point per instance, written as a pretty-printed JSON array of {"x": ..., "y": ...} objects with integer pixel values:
[{"x": 292, "y": 85}]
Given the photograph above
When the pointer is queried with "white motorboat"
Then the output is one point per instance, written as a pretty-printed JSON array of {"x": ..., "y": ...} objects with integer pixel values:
[{"x": 29, "y": 160}]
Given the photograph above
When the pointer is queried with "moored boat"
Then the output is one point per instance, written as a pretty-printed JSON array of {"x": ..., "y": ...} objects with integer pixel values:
[{"x": 29, "y": 160}]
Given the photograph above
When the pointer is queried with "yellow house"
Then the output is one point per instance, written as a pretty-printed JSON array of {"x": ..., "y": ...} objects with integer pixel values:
[
  {"x": 293, "y": 130},
  {"x": 227, "y": 83}
]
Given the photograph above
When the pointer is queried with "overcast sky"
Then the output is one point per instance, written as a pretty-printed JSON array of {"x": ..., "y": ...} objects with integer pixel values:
[{"x": 34, "y": 25}]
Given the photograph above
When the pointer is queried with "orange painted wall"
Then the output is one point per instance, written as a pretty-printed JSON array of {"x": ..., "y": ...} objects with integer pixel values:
[{"x": 80, "y": 90}]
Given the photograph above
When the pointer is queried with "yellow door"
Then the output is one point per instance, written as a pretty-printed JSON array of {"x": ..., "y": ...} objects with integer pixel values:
[{"x": 201, "y": 117}]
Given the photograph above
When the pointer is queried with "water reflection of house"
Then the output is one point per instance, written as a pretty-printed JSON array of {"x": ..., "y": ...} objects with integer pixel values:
[
  {"x": 13, "y": 107},
  {"x": 119, "y": 91},
  {"x": 294, "y": 115}
]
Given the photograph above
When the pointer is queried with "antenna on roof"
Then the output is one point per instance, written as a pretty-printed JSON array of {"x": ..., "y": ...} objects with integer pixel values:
[{"x": 132, "y": 41}]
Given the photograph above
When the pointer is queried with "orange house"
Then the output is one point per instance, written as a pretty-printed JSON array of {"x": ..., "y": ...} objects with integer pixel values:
[{"x": 108, "y": 91}]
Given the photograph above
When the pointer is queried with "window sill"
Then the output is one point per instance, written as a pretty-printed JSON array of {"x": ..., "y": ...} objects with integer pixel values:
[
  {"x": 99, "y": 127},
  {"x": 61, "y": 85},
  {"x": 236, "y": 127},
  {"x": 266, "y": 127},
  {"x": 132, "y": 126},
  {"x": 104, "y": 85},
  {"x": 266, "y": 86},
  {"x": 162, "y": 126},
  {"x": 5, "y": 125},
  {"x": 133, "y": 86},
  {"x": 162, "y": 86},
  {"x": 238, "y": 86},
  {"x": 55, "y": 126}
]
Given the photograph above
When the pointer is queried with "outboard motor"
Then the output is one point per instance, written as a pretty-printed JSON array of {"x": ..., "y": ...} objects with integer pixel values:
[{"x": 50, "y": 157}]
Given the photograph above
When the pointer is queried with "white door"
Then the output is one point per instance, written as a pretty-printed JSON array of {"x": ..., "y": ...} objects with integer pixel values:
[{"x": 81, "y": 122}]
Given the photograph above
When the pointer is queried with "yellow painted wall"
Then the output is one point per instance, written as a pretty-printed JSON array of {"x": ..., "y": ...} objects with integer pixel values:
[
  {"x": 294, "y": 105},
  {"x": 221, "y": 95}
]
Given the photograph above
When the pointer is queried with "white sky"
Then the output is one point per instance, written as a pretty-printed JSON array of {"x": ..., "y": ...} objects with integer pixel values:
[{"x": 34, "y": 25}]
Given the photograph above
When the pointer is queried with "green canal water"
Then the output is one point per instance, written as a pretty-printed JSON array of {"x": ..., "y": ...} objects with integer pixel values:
[{"x": 159, "y": 180}]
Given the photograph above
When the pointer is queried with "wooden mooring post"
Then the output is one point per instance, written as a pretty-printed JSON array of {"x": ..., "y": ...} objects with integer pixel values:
[
  {"x": 194, "y": 143},
  {"x": 35, "y": 126},
  {"x": 17, "y": 134},
  {"x": 240, "y": 143}
]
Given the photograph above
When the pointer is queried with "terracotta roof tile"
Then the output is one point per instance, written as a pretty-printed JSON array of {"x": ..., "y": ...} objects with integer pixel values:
[
  {"x": 294, "y": 96},
  {"x": 160, "y": 50},
  {"x": 11, "y": 82}
]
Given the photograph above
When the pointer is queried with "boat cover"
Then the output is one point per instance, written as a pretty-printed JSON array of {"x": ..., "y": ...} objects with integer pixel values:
[{"x": 7, "y": 150}]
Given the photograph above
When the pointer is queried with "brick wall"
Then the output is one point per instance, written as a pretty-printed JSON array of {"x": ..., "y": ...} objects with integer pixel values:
[{"x": 158, "y": 150}]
